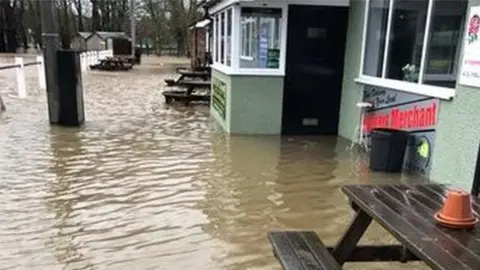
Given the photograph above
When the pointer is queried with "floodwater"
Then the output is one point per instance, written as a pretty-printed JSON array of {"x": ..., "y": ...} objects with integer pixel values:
[{"x": 144, "y": 185}]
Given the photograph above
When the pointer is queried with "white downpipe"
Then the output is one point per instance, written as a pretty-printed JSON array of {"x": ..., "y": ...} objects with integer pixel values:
[
  {"x": 20, "y": 74},
  {"x": 41, "y": 73}
]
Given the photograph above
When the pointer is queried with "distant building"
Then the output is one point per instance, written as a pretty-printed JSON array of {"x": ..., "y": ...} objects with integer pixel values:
[
  {"x": 79, "y": 41},
  {"x": 199, "y": 39},
  {"x": 98, "y": 41}
]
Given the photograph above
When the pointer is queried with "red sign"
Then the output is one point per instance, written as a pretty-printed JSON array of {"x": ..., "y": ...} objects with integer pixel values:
[{"x": 419, "y": 116}]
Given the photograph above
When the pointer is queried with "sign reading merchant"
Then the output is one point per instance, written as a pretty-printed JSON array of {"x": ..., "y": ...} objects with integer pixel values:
[{"x": 414, "y": 113}]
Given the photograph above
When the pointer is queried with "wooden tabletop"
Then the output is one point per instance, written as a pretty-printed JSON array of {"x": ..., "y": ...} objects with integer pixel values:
[
  {"x": 407, "y": 213},
  {"x": 193, "y": 73},
  {"x": 196, "y": 83}
]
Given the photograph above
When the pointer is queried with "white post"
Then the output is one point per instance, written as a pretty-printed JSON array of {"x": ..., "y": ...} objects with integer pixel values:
[
  {"x": 41, "y": 73},
  {"x": 20, "y": 74},
  {"x": 83, "y": 62},
  {"x": 90, "y": 58}
]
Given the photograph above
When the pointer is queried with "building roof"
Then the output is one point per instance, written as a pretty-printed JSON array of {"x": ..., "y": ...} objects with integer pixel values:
[
  {"x": 85, "y": 35},
  {"x": 201, "y": 23},
  {"x": 107, "y": 35}
]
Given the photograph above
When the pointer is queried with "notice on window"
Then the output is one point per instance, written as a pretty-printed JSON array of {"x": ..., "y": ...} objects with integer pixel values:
[
  {"x": 263, "y": 45},
  {"x": 470, "y": 67},
  {"x": 273, "y": 58}
]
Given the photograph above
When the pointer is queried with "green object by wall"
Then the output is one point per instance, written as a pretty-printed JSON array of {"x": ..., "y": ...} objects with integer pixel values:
[{"x": 219, "y": 100}]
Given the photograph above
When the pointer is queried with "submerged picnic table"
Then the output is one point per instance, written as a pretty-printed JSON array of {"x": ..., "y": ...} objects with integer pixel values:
[
  {"x": 185, "y": 74},
  {"x": 406, "y": 212},
  {"x": 114, "y": 64},
  {"x": 188, "y": 94}
]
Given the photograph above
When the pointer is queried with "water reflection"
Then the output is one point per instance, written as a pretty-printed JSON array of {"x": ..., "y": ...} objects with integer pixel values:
[{"x": 66, "y": 163}]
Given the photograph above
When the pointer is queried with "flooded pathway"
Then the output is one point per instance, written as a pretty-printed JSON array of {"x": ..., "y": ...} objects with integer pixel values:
[{"x": 148, "y": 186}]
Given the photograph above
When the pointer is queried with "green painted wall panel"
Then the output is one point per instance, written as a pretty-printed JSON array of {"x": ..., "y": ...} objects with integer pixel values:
[
  {"x": 256, "y": 105},
  {"x": 226, "y": 79},
  {"x": 351, "y": 91},
  {"x": 458, "y": 136}
]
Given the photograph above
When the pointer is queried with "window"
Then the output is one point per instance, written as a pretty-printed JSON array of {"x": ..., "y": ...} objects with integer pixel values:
[
  {"x": 415, "y": 41},
  {"x": 260, "y": 37},
  {"x": 222, "y": 38},
  {"x": 222, "y": 31},
  {"x": 229, "y": 38},
  {"x": 248, "y": 29}
]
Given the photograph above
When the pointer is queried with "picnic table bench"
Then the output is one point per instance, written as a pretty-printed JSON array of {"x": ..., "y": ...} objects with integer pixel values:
[
  {"x": 407, "y": 213},
  {"x": 188, "y": 94},
  {"x": 113, "y": 64},
  {"x": 185, "y": 74}
]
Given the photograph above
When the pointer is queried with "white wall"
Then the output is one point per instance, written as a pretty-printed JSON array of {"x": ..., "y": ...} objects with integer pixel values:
[{"x": 95, "y": 43}]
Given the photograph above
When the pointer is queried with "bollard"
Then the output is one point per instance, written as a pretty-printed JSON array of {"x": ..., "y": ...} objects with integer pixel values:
[
  {"x": 20, "y": 74},
  {"x": 41, "y": 73},
  {"x": 69, "y": 81}
]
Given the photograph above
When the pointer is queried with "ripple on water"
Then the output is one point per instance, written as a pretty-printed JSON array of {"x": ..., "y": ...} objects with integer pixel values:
[{"x": 148, "y": 186}]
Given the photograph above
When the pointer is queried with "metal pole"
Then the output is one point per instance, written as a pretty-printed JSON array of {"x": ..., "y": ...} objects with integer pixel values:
[
  {"x": 132, "y": 25},
  {"x": 51, "y": 42}
]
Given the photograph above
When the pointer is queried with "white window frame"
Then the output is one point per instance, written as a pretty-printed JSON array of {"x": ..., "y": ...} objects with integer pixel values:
[
  {"x": 235, "y": 44},
  {"x": 218, "y": 38},
  {"x": 247, "y": 42},
  {"x": 418, "y": 87}
]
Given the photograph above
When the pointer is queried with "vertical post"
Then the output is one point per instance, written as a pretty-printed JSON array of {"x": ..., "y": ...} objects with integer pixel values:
[
  {"x": 51, "y": 42},
  {"x": 20, "y": 74},
  {"x": 2, "y": 105},
  {"x": 41, "y": 73},
  {"x": 83, "y": 60},
  {"x": 132, "y": 25}
]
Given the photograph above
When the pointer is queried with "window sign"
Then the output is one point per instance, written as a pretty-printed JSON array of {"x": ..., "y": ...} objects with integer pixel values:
[
  {"x": 263, "y": 45},
  {"x": 470, "y": 70}
]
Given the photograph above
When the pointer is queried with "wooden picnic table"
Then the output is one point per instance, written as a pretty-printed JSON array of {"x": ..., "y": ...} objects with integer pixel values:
[
  {"x": 185, "y": 74},
  {"x": 112, "y": 63},
  {"x": 406, "y": 212},
  {"x": 188, "y": 95}
]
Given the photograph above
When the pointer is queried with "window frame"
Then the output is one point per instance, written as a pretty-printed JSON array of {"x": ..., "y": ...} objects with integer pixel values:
[
  {"x": 248, "y": 42},
  {"x": 412, "y": 87},
  {"x": 236, "y": 45}
]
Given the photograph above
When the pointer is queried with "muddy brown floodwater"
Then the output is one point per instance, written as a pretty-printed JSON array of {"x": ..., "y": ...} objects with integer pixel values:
[{"x": 144, "y": 185}]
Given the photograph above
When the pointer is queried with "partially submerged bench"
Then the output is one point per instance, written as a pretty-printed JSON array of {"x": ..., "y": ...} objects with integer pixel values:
[
  {"x": 182, "y": 96},
  {"x": 184, "y": 74},
  {"x": 301, "y": 250}
]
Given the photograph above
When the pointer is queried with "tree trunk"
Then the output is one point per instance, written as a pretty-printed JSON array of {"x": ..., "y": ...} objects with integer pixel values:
[
  {"x": 95, "y": 16},
  {"x": 21, "y": 26},
  {"x": 11, "y": 29},
  {"x": 3, "y": 46},
  {"x": 78, "y": 7}
]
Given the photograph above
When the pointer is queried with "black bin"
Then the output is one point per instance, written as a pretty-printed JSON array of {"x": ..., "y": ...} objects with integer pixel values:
[{"x": 388, "y": 149}]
